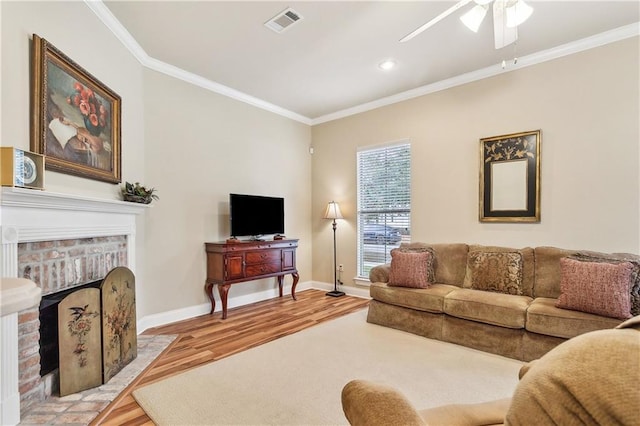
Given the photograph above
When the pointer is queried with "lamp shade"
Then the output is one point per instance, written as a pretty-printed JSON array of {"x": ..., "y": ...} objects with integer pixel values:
[{"x": 333, "y": 211}]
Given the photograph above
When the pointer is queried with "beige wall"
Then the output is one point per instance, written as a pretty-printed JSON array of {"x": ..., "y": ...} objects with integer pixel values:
[
  {"x": 587, "y": 106},
  {"x": 75, "y": 30},
  {"x": 193, "y": 145},
  {"x": 200, "y": 147}
]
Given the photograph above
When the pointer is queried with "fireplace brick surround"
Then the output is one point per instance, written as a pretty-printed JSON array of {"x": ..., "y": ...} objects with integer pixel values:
[
  {"x": 63, "y": 264},
  {"x": 58, "y": 241},
  {"x": 55, "y": 266}
]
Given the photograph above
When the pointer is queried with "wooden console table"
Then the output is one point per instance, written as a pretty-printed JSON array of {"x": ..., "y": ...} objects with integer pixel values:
[{"x": 236, "y": 262}]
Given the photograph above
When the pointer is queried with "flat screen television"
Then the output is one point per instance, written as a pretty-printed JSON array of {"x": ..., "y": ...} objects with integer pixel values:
[{"x": 255, "y": 215}]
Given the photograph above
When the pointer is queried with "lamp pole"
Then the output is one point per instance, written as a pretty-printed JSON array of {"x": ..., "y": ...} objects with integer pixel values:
[{"x": 335, "y": 292}]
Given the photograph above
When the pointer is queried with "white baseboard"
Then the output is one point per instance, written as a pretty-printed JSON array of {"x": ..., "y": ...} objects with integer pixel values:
[
  {"x": 164, "y": 318},
  {"x": 350, "y": 290}
]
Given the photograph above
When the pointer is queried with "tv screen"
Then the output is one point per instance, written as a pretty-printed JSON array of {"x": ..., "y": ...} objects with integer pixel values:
[{"x": 254, "y": 215}]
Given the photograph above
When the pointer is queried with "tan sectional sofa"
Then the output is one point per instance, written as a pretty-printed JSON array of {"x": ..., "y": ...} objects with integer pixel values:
[{"x": 458, "y": 307}]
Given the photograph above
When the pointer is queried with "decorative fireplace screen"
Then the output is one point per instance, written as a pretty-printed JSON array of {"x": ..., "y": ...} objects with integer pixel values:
[{"x": 97, "y": 332}]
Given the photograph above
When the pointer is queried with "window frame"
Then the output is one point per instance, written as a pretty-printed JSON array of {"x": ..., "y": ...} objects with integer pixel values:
[{"x": 362, "y": 277}]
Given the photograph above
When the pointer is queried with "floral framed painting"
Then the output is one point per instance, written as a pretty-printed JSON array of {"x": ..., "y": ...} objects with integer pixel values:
[
  {"x": 510, "y": 178},
  {"x": 75, "y": 118}
]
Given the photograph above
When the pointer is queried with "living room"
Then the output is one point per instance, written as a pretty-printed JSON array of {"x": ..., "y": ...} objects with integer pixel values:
[{"x": 196, "y": 146}]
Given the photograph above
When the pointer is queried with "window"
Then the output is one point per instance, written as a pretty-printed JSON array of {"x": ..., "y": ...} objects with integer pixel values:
[{"x": 384, "y": 203}]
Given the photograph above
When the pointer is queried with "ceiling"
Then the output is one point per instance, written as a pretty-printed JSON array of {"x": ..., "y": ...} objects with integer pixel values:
[{"x": 326, "y": 64}]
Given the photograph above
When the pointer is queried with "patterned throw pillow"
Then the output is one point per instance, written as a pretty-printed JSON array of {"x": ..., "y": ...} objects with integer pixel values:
[
  {"x": 615, "y": 259},
  {"x": 596, "y": 287},
  {"x": 422, "y": 248},
  {"x": 409, "y": 269},
  {"x": 499, "y": 272}
]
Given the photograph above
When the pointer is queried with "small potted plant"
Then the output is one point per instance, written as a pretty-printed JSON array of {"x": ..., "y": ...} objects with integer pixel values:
[{"x": 137, "y": 193}]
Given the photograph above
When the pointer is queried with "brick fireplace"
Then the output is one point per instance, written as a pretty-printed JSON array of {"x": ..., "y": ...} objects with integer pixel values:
[{"x": 59, "y": 241}]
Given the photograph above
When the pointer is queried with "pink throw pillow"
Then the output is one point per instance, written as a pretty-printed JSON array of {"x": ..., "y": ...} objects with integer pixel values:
[
  {"x": 597, "y": 288},
  {"x": 410, "y": 269}
]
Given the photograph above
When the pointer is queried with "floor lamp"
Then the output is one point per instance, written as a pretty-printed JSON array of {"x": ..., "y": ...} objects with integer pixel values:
[{"x": 333, "y": 212}]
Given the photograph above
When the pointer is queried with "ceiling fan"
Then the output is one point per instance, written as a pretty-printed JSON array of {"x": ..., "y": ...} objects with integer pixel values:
[{"x": 507, "y": 15}]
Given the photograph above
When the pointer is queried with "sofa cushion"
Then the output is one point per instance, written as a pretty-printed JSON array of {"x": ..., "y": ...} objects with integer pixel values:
[
  {"x": 543, "y": 317},
  {"x": 477, "y": 252},
  {"x": 547, "y": 271},
  {"x": 449, "y": 261},
  {"x": 430, "y": 299},
  {"x": 505, "y": 310},
  {"x": 409, "y": 269},
  {"x": 498, "y": 272},
  {"x": 596, "y": 287}
]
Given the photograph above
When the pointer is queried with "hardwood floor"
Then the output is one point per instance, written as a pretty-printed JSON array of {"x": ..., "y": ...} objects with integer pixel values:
[{"x": 208, "y": 338}]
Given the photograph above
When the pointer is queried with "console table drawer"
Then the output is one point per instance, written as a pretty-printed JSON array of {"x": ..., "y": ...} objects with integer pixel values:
[
  {"x": 261, "y": 269},
  {"x": 263, "y": 256}
]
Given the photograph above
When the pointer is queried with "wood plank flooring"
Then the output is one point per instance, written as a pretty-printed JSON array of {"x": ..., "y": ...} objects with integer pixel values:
[{"x": 208, "y": 338}]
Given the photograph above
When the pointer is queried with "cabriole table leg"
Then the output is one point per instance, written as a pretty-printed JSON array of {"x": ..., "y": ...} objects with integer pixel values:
[
  {"x": 208, "y": 288},
  {"x": 296, "y": 277},
  {"x": 223, "y": 289}
]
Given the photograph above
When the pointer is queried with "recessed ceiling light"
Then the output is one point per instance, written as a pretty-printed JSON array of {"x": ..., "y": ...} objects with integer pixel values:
[{"x": 387, "y": 65}]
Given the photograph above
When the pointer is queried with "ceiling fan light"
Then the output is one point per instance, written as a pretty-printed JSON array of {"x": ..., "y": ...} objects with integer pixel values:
[
  {"x": 473, "y": 18},
  {"x": 518, "y": 13}
]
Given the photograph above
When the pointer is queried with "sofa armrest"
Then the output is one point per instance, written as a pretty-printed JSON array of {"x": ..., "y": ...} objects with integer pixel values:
[
  {"x": 370, "y": 404},
  {"x": 380, "y": 273},
  {"x": 526, "y": 367}
]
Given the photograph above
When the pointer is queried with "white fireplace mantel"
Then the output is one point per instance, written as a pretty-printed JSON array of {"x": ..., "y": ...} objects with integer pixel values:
[
  {"x": 18, "y": 197},
  {"x": 31, "y": 215}
]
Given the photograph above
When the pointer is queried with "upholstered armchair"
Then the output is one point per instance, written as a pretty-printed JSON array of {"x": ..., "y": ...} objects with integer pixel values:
[{"x": 591, "y": 379}]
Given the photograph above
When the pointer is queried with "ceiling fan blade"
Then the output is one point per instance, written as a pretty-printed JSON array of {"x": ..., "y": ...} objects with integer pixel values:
[
  {"x": 503, "y": 35},
  {"x": 435, "y": 20}
]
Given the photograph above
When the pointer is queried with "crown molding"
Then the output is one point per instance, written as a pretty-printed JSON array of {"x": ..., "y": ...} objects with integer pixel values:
[
  {"x": 618, "y": 34},
  {"x": 112, "y": 23}
]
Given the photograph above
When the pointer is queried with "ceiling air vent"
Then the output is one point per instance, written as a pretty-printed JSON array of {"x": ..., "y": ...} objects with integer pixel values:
[{"x": 283, "y": 20}]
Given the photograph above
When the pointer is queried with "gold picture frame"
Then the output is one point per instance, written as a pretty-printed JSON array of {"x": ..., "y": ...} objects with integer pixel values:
[
  {"x": 75, "y": 118},
  {"x": 510, "y": 177}
]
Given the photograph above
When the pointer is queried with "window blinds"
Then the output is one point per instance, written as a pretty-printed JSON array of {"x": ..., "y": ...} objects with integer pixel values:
[{"x": 384, "y": 203}]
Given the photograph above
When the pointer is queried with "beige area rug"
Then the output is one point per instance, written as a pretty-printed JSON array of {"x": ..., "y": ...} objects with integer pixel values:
[{"x": 297, "y": 379}]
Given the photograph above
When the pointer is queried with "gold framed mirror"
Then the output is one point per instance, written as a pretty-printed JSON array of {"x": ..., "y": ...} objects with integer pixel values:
[{"x": 510, "y": 177}]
